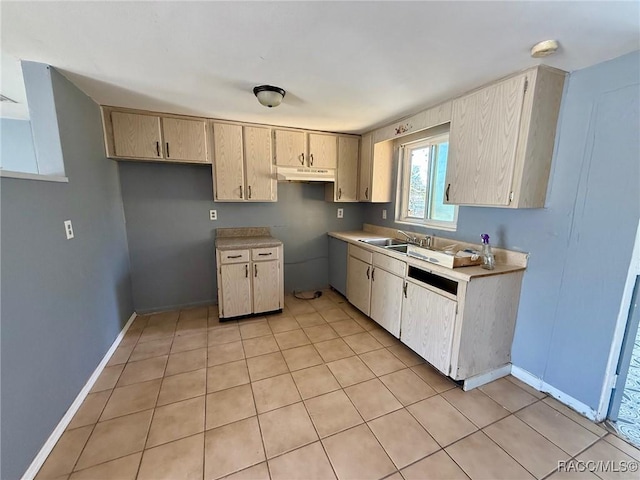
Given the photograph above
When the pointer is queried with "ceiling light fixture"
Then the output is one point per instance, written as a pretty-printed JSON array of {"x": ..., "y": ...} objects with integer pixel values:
[
  {"x": 268, "y": 95},
  {"x": 544, "y": 48}
]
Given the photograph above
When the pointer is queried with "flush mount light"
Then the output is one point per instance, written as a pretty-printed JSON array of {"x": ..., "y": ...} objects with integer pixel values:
[
  {"x": 544, "y": 48},
  {"x": 268, "y": 95}
]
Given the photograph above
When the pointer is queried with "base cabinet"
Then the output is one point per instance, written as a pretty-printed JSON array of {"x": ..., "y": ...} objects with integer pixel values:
[
  {"x": 249, "y": 281},
  {"x": 236, "y": 289},
  {"x": 386, "y": 290},
  {"x": 427, "y": 325},
  {"x": 359, "y": 284},
  {"x": 464, "y": 328}
]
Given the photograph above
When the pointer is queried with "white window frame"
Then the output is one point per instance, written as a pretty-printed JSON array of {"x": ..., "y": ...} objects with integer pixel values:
[{"x": 402, "y": 190}]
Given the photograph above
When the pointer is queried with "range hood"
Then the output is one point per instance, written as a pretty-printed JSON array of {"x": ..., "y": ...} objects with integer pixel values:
[{"x": 306, "y": 174}]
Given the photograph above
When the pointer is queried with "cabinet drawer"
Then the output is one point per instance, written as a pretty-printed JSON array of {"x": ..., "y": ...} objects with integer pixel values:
[
  {"x": 270, "y": 253},
  {"x": 360, "y": 253},
  {"x": 234, "y": 256},
  {"x": 389, "y": 264}
]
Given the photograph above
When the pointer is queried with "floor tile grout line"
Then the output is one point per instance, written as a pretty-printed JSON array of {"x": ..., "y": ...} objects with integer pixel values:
[{"x": 153, "y": 413}]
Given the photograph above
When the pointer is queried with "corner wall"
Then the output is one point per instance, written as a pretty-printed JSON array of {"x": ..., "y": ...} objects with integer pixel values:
[
  {"x": 63, "y": 301},
  {"x": 171, "y": 238},
  {"x": 581, "y": 242}
]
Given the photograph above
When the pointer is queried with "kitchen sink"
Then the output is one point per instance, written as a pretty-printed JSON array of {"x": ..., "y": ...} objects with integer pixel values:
[{"x": 385, "y": 242}]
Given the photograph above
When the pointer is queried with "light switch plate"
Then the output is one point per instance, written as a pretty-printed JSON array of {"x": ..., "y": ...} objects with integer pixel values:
[
  {"x": 213, "y": 214},
  {"x": 341, "y": 213},
  {"x": 384, "y": 213}
]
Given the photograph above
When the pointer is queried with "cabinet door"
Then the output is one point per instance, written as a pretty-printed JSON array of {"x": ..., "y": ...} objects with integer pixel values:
[
  {"x": 427, "y": 325},
  {"x": 347, "y": 174},
  {"x": 266, "y": 286},
  {"x": 236, "y": 290},
  {"x": 227, "y": 162},
  {"x": 290, "y": 148},
  {"x": 261, "y": 183},
  {"x": 323, "y": 150},
  {"x": 366, "y": 162},
  {"x": 386, "y": 300},
  {"x": 359, "y": 284},
  {"x": 381, "y": 172},
  {"x": 485, "y": 126},
  {"x": 136, "y": 136},
  {"x": 185, "y": 140}
]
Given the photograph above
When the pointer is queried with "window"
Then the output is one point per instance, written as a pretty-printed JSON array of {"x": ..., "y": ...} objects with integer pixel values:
[{"x": 422, "y": 172}]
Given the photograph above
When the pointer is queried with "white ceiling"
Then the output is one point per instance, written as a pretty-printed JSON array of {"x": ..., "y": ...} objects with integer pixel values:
[{"x": 346, "y": 66}]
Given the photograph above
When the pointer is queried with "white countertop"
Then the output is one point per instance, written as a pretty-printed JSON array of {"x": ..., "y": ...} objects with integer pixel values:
[{"x": 465, "y": 274}]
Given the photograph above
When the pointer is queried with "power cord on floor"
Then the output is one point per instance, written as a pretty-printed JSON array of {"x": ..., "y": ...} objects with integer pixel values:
[{"x": 316, "y": 294}]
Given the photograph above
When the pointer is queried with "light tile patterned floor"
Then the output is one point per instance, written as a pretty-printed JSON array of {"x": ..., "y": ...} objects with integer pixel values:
[
  {"x": 628, "y": 423},
  {"x": 318, "y": 392}
]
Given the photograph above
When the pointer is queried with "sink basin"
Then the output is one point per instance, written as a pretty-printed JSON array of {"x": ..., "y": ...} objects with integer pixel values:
[
  {"x": 398, "y": 248},
  {"x": 385, "y": 242}
]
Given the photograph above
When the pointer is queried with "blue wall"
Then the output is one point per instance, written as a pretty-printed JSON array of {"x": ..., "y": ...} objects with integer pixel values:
[
  {"x": 171, "y": 238},
  {"x": 581, "y": 242},
  {"x": 63, "y": 301},
  {"x": 17, "y": 153}
]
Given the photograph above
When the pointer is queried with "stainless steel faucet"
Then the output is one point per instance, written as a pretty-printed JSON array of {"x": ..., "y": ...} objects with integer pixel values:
[{"x": 410, "y": 239}]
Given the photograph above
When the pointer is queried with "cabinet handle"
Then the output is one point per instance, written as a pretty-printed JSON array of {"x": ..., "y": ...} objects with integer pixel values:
[
  {"x": 241, "y": 191},
  {"x": 158, "y": 148},
  {"x": 339, "y": 193},
  {"x": 234, "y": 256},
  {"x": 265, "y": 254},
  {"x": 255, "y": 269},
  {"x": 246, "y": 271},
  {"x": 366, "y": 193},
  {"x": 373, "y": 278},
  {"x": 368, "y": 269},
  {"x": 167, "y": 149},
  {"x": 404, "y": 289},
  {"x": 446, "y": 194},
  {"x": 302, "y": 159},
  {"x": 311, "y": 159},
  {"x": 249, "y": 188}
]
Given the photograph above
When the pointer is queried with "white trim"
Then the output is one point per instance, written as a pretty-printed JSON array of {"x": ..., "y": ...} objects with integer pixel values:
[
  {"x": 540, "y": 385},
  {"x": 33, "y": 176},
  {"x": 484, "y": 378},
  {"x": 618, "y": 333},
  {"x": 44, "y": 452}
]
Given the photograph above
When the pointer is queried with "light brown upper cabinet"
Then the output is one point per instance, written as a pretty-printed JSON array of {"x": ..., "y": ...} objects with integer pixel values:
[
  {"x": 135, "y": 135},
  {"x": 243, "y": 169},
  {"x": 290, "y": 148},
  {"x": 185, "y": 140},
  {"x": 345, "y": 188},
  {"x": 501, "y": 141},
  {"x": 323, "y": 150},
  {"x": 296, "y": 148},
  {"x": 376, "y": 170}
]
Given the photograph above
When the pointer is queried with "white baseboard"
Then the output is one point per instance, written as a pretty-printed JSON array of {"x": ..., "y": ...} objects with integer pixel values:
[
  {"x": 539, "y": 384},
  {"x": 44, "y": 452},
  {"x": 484, "y": 378}
]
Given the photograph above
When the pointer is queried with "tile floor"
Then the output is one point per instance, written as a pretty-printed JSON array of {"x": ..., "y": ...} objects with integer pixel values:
[
  {"x": 318, "y": 392},
  {"x": 628, "y": 423}
]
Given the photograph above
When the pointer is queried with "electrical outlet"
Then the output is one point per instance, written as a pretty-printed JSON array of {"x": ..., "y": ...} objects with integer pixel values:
[
  {"x": 384, "y": 213},
  {"x": 213, "y": 214},
  {"x": 68, "y": 229},
  {"x": 341, "y": 213}
]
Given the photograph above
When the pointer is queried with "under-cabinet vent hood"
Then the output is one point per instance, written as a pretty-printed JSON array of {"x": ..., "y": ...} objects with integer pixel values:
[{"x": 306, "y": 174}]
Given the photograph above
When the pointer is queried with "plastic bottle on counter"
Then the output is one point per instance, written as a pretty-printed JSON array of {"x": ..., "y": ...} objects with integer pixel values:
[{"x": 488, "y": 260}]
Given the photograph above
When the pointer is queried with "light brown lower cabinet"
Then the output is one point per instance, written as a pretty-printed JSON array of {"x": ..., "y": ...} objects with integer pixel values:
[
  {"x": 462, "y": 328},
  {"x": 249, "y": 281}
]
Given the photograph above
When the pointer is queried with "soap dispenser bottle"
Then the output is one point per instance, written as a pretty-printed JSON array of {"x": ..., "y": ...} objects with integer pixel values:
[{"x": 488, "y": 261}]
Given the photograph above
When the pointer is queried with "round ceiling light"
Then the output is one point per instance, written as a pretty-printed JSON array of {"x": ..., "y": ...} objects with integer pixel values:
[
  {"x": 544, "y": 48},
  {"x": 268, "y": 95}
]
